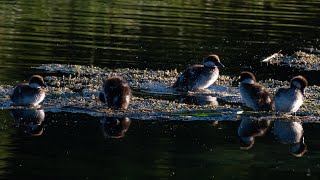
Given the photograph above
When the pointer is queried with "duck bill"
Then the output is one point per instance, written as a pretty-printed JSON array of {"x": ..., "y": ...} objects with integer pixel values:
[
  {"x": 219, "y": 64},
  {"x": 43, "y": 85}
]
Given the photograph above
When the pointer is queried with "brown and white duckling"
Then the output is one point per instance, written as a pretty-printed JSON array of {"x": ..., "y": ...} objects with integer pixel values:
[
  {"x": 254, "y": 95},
  {"x": 290, "y": 99},
  {"x": 116, "y": 93},
  {"x": 29, "y": 94},
  {"x": 199, "y": 76}
]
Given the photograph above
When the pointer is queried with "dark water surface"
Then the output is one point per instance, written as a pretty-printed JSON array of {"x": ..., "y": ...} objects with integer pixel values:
[
  {"x": 152, "y": 34},
  {"x": 155, "y": 35},
  {"x": 77, "y": 146}
]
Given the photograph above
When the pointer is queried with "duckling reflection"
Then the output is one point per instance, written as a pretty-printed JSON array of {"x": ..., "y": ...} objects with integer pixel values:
[
  {"x": 249, "y": 129},
  {"x": 30, "y": 120},
  {"x": 290, "y": 132},
  {"x": 200, "y": 100},
  {"x": 115, "y": 127}
]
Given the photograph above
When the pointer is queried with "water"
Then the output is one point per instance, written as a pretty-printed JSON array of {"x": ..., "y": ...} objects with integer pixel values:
[
  {"x": 154, "y": 35},
  {"x": 83, "y": 147}
]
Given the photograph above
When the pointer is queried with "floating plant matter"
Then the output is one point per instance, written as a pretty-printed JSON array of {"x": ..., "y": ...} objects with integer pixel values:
[
  {"x": 299, "y": 60},
  {"x": 75, "y": 88}
]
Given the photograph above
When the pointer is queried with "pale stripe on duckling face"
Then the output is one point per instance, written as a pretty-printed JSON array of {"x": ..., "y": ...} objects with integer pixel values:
[
  {"x": 209, "y": 64},
  {"x": 248, "y": 81},
  {"x": 296, "y": 84}
]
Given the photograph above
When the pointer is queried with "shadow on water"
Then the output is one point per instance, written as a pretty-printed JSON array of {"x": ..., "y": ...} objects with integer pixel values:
[{"x": 200, "y": 100}]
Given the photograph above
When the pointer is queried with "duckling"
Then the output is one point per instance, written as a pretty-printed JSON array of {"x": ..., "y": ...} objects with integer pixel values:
[
  {"x": 254, "y": 95},
  {"x": 289, "y": 100},
  {"x": 198, "y": 76},
  {"x": 29, "y": 94},
  {"x": 116, "y": 93}
]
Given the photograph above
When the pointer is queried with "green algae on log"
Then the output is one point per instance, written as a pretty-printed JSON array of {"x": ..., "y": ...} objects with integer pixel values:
[{"x": 299, "y": 60}]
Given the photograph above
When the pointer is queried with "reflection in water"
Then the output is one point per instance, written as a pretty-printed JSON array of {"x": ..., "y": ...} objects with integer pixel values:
[
  {"x": 290, "y": 132},
  {"x": 30, "y": 120},
  {"x": 249, "y": 129},
  {"x": 200, "y": 100},
  {"x": 115, "y": 127},
  {"x": 152, "y": 149}
]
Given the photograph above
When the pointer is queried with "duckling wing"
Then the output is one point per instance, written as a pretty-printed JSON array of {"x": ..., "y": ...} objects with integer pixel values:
[
  {"x": 17, "y": 91},
  {"x": 188, "y": 76},
  {"x": 264, "y": 99},
  {"x": 280, "y": 91}
]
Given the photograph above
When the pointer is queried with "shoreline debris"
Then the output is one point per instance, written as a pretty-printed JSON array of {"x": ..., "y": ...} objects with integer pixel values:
[{"x": 299, "y": 60}]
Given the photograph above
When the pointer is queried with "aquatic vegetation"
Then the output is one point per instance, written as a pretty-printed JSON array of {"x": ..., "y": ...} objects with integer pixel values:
[
  {"x": 299, "y": 60},
  {"x": 75, "y": 88}
]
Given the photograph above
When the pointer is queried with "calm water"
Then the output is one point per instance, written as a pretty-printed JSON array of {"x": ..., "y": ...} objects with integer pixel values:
[
  {"x": 152, "y": 34},
  {"x": 155, "y": 35},
  {"x": 82, "y": 147}
]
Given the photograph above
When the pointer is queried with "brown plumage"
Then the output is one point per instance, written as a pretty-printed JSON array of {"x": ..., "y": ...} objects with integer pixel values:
[
  {"x": 29, "y": 94},
  {"x": 116, "y": 93},
  {"x": 199, "y": 76},
  {"x": 254, "y": 95}
]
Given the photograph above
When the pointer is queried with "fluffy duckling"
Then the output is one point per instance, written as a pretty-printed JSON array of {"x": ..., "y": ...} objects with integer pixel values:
[
  {"x": 29, "y": 94},
  {"x": 116, "y": 93},
  {"x": 199, "y": 76},
  {"x": 289, "y": 100},
  {"x": 254, "y": 95}
]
